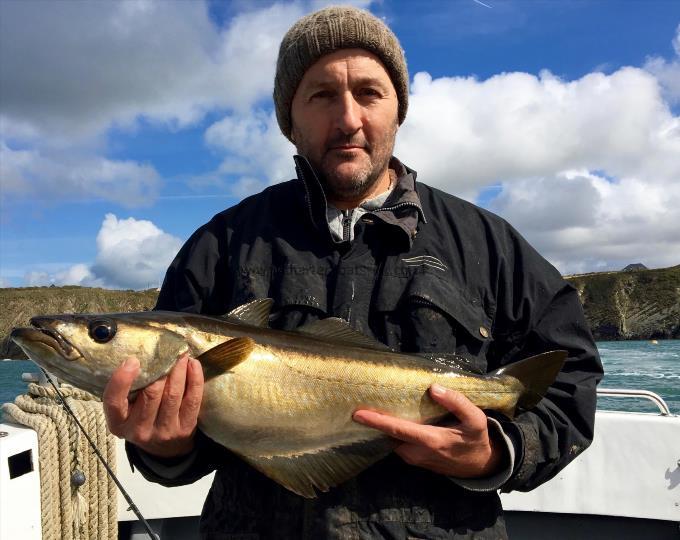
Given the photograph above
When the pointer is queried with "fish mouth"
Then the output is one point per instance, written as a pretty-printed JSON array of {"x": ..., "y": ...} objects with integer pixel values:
[{"x": 42, "y": 333}]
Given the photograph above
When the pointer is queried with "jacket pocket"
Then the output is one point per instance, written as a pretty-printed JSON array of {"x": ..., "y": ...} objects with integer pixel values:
[
  {"x": 425, "y": 313},
  {"x": 300, "y": 297},
  {"x": 298, "y": 291}
]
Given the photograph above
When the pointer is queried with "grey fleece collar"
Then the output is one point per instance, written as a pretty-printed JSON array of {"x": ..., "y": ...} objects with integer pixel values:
[
  {"x": 401, "y": 208},
  {"x": 342, "y": 222}
]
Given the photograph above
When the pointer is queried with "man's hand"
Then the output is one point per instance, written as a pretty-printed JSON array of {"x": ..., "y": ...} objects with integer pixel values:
[
  {"x": 462, "y": 450},
  {"x": 162, "y": 420}
]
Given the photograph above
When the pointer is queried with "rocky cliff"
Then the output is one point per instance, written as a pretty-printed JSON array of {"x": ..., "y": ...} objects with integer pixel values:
[{"x": 635, "y": 304}]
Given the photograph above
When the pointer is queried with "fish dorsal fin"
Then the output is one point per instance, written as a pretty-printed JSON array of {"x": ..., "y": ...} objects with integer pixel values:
[
  {"x": 452, "y": 361},
  {"x": 255, "y": 313},
  {"x": 339, "y": 330},
  {"x": 324, "y": 468},
  {"x": 226, "y": 356}
]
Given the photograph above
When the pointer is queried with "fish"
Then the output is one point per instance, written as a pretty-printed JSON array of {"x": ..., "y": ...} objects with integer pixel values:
[{"x": 281, "y": 400}]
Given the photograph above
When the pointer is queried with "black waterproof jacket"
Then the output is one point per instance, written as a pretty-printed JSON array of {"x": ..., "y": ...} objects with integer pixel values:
[{"x": 428, "y": 272}]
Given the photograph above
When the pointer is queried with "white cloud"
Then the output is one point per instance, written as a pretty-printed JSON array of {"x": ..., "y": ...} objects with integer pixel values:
[
  {"x": 582, "y": 222},
  {"x": 256, "y": 153},
  {"x": 78, "y": 274},
  {"x": 53, "y": 175},
  {"x": 463, "y": 134},
  {"x": 668, "y": 72},
  {"x": 73, "y": 69},
  {"x": 36, "y": 278},
  {"x": 131, "y": 254}
]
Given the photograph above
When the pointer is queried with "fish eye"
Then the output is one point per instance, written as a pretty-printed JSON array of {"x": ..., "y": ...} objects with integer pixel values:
[{"x": 102, "y": 331}]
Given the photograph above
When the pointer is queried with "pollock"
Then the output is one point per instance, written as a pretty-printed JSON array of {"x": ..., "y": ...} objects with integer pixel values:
[{"x": 283, "y": 401}]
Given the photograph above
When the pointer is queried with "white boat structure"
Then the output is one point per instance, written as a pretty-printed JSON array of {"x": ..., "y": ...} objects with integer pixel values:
[{"x": 626, "y": 486}]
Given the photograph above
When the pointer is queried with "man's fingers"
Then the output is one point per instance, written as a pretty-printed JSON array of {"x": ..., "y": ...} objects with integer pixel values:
[
  {"x": 191, "y": 404},
  {"x": 115, "y": 397},
  {"x": 467, "y": 412},
  {"x": 145, "y": 409},
  {"x": 173, "y": 392},
  {"x": 404, "y": 430}
]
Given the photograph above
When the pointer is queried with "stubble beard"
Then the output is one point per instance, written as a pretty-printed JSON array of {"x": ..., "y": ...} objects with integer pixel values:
[{"x": 344, "y": 187}]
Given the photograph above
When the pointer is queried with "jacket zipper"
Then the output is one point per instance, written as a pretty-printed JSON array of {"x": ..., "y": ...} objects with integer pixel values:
[
  {"x": 397, "y": 206},
  {"x": 347, "y": 224}
]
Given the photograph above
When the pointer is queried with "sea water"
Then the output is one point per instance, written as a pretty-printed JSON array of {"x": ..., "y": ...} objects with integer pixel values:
[
  {"x": 635, "y": 365},
  {"x": 641, "y": 365}
]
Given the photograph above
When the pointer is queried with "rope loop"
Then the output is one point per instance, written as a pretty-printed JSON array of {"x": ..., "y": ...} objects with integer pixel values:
[{"x": 69, "y": 507}]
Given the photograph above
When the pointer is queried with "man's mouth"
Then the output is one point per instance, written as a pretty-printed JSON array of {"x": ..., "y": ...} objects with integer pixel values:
[{"x": 349, "y": 149}]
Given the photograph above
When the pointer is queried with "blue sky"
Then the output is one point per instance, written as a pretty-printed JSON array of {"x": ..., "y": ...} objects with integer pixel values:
[{"x": 126, "y": 125}]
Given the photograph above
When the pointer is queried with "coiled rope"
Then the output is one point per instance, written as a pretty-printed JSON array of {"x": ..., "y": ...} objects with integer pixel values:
[{"x": 69, "y": 507}]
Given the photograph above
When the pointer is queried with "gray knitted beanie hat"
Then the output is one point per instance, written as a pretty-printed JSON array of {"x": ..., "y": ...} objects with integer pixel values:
[{"x": 323, "y": 32}]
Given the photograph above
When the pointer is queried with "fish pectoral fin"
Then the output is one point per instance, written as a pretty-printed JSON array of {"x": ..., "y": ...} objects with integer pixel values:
[
  {"x": 227, "y": 355},
  {"x": 340, "y": 330},
  {"x": 322, "y": 469},
  {"x": 255, "y": 313}
]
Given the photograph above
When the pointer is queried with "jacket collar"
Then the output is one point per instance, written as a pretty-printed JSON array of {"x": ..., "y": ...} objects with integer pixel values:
[{"x": 402, "y": 209}]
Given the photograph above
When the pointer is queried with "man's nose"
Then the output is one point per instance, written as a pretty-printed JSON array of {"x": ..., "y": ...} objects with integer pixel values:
[{"x": 349, "y": 114}]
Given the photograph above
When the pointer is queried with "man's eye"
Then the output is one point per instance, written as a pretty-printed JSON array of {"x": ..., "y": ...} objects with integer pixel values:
[
  {"x": 368, "y": 92},
  {"x": 322, "y": 94}
]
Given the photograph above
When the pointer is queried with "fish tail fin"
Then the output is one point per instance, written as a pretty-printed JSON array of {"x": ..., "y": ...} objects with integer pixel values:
[{"x": 536, "y": 374}]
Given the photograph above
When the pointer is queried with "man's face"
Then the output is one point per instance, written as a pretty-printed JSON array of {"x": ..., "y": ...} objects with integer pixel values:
[{"x": 344, "y": 116}]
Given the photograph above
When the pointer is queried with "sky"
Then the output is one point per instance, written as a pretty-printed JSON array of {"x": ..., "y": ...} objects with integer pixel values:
[{"x": 126, "y": 125}]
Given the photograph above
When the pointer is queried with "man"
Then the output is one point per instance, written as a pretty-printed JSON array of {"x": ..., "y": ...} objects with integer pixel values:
[{"x": 354, "y": 236}]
